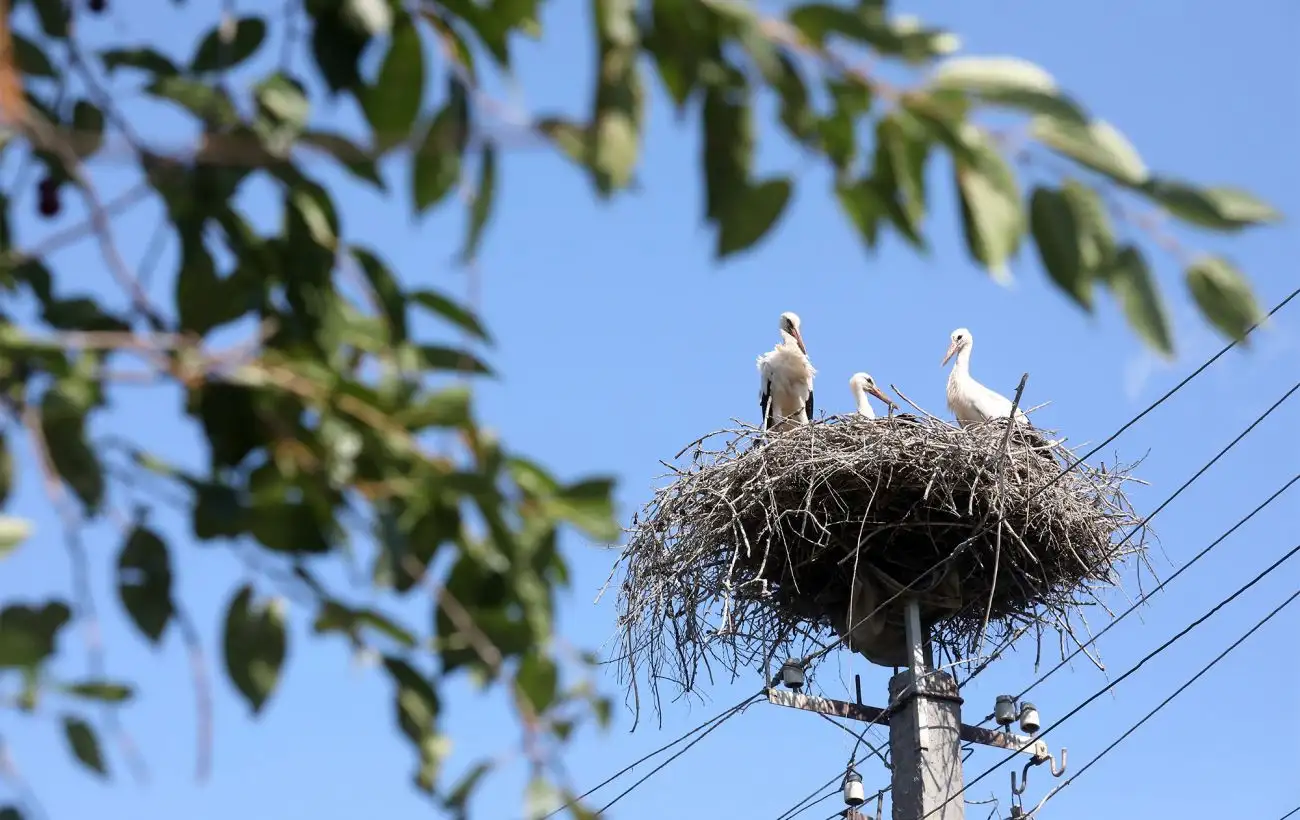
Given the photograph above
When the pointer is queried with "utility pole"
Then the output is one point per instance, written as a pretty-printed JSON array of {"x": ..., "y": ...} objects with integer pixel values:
[
  {"x": 924, "y": 734},
  {"x": 925, "y": 731}
]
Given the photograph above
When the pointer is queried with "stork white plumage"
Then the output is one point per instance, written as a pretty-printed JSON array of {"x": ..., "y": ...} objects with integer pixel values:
[
  {"x": 786, "y": 378},
  {"x": 970, "y": 401},
  {"x": 864, "y": 386}
]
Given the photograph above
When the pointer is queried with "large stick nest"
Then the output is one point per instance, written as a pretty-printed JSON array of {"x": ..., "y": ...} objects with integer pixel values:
[{"x": 761, "y": 543}]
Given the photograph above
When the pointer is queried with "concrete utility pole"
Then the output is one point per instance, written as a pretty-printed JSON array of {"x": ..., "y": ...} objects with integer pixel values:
[
  {"x": 924, "y": 735},
  {"x": 925, "y": 732}
]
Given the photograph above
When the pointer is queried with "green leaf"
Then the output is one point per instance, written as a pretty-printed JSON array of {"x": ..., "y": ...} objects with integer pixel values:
[
  {"x": 215, "y": 54},
  {"x": 388, "y": 293},
  {"x": 417, "y": 707},
  {"x": 88, "y": 123},
  {"x": 13, "y": 532},
  {"x": 144, "y": 582},
  {"x": 283, "y": 105},
  {"x": 484, "y": 197},
  {"x": 203, "y": 302},
  {"x": 1220, "y": 208},
  {"x": 446, "y": 408},
  {"x": 541, "y": 798},
  {"x": 436, "y": 168},
  {"x": 144, "y": 59},
  {"x": 393, "y": 102},
  {"x": 6, "y": 470},
  {"x": 63, "y": 423},
  {"x": 536, "y": 681},
  {"x": 1223, "y": 296},
  {"x": 335, "y": 617},
  {"x": 337, "y": 43},
  {"x": 27, "y": 634},
  {"x": 728, "y": 149},
  {"x": 10, "y": 813},
  {"x": 1099, "y": 146},
  {"x": 81, "y": 314},
  {"x": 231, "y": 422},
  {"x": 103, "y": 691},
  {"x": 289, "y": 527},
  {"x": 992, "y": 217},
  {"x": 54, "y": 16},
  {"x": 207, "y": 102},
  {"x": 901, "y": 155},
  {"x": 84, "y": 744},
  {"x": 357, "y": 161},
  {"x": 741, "y": 227},
  {"x": 438, "y": 357},
  {"x": 1130, "y": 279},
  {"x": 1096, "y": 235},
  {"x": 453, "y": 41},
  {"x": 455, "y": 314},
  {"x": 457, "y": 799},
  {"x": 1057, "y": 235},
  {"x": 255, "y": 644},
  {"x": 589, "y": 506},
  {"x": 817, "y": 21},
  {"x": 30, "y": 58},
  {"x": 1010, "y": 82},
  {"x": 864, "y": 206},
  {"x": 618, "y": 111}
]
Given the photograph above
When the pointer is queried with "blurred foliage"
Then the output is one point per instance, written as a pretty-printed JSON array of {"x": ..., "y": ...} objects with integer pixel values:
[{"x": 319, "y": 426}]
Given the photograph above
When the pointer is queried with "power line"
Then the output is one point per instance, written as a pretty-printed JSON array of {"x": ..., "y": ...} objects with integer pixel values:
[
  {"x": 1183, "y": 383},
  {"x": 1175, "y": 388},
  {"x": 1110, "y": 685},
  {"x": 734, "y": 711},
  {"x": 1146, "y": 597},
  {"x": 716, "y": 719},
  {"x": 1175, "y": 694},
  {"x": 1296, "y": 810}
]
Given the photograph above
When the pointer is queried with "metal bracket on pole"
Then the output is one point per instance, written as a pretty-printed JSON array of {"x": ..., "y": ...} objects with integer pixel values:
[{"x": 1010, "y": 741}]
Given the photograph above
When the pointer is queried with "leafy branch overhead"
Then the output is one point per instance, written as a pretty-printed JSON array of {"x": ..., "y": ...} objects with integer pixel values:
[{"x": 332, "y": 431}]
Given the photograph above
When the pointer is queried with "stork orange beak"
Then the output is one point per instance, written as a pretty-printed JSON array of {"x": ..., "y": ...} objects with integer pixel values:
[
  {"x": 798, "y": 338},
  {"x": 880, "y": 394},
  {"x": 952, "y": 348}
]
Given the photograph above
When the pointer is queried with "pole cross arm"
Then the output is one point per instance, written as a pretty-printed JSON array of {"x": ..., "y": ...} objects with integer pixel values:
[{"x": 1010, "y": 741}]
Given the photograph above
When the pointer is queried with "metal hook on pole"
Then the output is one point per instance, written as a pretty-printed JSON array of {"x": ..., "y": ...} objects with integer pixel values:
[
  {"x": 1055, "y": 771},
  {"x": 1024, "y": 777}
]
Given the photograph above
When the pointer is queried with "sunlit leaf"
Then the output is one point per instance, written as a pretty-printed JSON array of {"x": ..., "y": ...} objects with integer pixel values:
[
  {"x": 1098, "y": 146},
  {"x": 13, "y": 532},
  {"x": 1010, "y": 82},
  {"x": 992, "y": 215},
  {"x": 1129, "y": 278},
  {"x": 1223, "y": 296},
  {"x": 28, "y": 633},
  {"x": 1217, "y": 207},
  {"x": 102, "y": 691},
  {"x": 740, "y": 228},
  {"x": 1057, "y": 235}
]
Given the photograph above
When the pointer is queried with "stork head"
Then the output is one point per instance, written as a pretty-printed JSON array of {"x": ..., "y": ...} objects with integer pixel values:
[
  {"x": 862, "y": 383},
  {"x": 961, "y": 339},
  {"x": 790, "y": 326}
]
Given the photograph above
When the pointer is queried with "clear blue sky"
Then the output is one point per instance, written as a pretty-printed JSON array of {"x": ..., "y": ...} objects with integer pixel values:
[{"x": 620, "y": 340}]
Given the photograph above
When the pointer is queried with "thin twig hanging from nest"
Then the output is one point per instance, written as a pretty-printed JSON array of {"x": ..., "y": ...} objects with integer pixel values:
[{"x": 761, "y": 543}]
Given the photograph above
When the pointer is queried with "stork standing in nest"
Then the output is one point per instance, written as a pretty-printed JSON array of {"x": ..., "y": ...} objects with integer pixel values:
[
  {"x": 863, "y": 386},
  {"x": 786, "y": 375},
  {"x": 972, "y": 402}
]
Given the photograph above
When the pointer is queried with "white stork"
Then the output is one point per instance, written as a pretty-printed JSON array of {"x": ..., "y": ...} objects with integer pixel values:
[
  {"x": 970, "y": 401},
  {"x": 863, "y": 386},
  {"x": 786, "y": 377}
]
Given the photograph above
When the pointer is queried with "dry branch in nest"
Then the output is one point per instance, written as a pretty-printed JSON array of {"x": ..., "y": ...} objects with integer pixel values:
[{"x": 757, "y": 546}]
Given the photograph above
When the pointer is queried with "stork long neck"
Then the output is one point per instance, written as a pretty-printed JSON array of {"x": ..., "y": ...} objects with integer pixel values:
[
  {"x": 864, "y": 405},
  {"x": 961, "y": 369}
]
